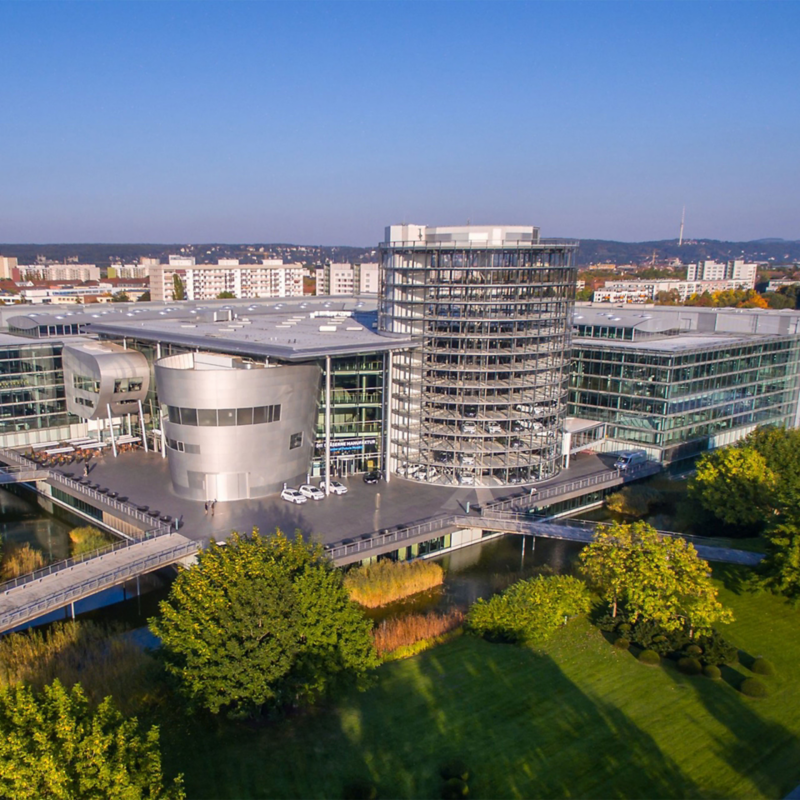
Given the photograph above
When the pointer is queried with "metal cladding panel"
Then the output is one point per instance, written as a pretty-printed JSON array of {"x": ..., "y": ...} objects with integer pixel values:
[
  {"x": 233, "y": 462},
  {"x": 105, "y": 363}
]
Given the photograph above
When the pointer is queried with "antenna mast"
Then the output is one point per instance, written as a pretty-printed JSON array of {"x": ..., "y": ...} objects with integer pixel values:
[{"x": 683, "y": 219}]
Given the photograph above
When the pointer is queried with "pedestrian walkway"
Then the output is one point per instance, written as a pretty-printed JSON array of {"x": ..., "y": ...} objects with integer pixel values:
[{"x": 33, "y": 599}]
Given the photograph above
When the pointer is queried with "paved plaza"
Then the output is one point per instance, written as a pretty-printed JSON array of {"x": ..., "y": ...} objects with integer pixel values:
[{"x": 144, "y": 478}]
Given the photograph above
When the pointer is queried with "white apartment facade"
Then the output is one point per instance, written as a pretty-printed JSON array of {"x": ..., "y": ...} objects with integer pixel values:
[
  {"x": 743, "y": 272},
  {"x": 271, "y": 278},
  {"x": 7, "y": 263},
  {"x": 347, "y": 279},
  {"x": 647, "y": 291},
  {"x": 59, "y": 272}
]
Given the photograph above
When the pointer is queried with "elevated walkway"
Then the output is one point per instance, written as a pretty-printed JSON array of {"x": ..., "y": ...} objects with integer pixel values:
[
  {"x": 22, "y": 475},
  {"x": 498, "y": 521},
  {"x": 56, "y": 586}
]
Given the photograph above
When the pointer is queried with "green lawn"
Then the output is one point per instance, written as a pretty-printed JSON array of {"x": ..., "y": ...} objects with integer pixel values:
[{"x": 575, "y": 719}]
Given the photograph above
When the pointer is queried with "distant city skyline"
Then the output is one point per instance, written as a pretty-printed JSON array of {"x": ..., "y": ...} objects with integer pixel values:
[{"x": 324, "y": 122}]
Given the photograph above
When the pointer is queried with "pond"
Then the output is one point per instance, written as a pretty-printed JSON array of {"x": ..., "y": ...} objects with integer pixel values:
[
  {"x": 484, "y": 569},
  {"x": 23, "y": 522}
]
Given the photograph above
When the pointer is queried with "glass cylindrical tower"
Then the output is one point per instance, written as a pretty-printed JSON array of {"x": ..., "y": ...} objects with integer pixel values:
[{"x": 481, "y": 401}]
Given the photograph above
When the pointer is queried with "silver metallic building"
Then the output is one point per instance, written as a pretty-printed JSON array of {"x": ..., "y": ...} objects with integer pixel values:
[
  {"x": 483, "y": 399},
  {"x": 236, "y": 428}
]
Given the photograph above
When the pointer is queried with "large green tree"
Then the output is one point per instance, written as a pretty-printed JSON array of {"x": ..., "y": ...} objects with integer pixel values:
[
  {"x": 178, "y": 288},
  {"x": 736, "y": 485},
  {"x": 262, "y": 622},
  {"x": 54, "y": 745},
  {"x": 780, "y": 570},
  {"x": 657, "y": 578}
]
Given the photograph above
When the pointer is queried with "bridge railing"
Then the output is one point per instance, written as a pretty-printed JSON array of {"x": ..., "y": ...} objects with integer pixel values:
[
  {"x": 535, "y": 498},
  {"x": 67, "y": 563},
  {"x": 403, "y": 533},
  {"x": 112, "y": 577}
]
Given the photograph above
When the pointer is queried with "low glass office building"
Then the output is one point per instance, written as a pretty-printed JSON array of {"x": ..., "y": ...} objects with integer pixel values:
[{"x": 676, "y": 383}]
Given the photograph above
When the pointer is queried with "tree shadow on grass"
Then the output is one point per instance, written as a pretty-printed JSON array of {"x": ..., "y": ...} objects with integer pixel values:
[
  {"x": 760, "y": 746},
  {"x": 522, "y": 726},
  {"x": 735, "y": 578}
]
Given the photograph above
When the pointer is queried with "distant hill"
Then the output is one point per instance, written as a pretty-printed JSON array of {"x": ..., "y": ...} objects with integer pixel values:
[{"x": 591, "y": 251}]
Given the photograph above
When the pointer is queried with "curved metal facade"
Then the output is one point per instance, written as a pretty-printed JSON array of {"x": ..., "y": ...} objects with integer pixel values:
[
  {"x": 236, "y": 430},
  {"x": 100, "y": 374},
  {"x": 483, "y": 400}
]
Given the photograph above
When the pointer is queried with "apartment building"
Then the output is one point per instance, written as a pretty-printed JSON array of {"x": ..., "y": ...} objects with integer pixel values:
[
  {"x": 59, "y": 272},
  {"x": 345, "y": 279},
  {"x": 7, "y": 264},
  {"x": 742, "y": 272},
  {"x": 271, "y": 278}
]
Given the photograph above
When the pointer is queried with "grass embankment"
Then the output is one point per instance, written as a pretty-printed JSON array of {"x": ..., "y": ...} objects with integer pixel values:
[
  {"x": 575, "y": 717},
  {"x": 383, "y": 582}
]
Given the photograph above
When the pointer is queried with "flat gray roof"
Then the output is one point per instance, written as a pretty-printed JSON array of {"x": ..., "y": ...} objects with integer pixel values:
[{"x": 294, "y": 329}]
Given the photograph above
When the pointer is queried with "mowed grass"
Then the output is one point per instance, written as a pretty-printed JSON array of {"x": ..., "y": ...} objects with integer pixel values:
[{"x": 576, "y": 718}]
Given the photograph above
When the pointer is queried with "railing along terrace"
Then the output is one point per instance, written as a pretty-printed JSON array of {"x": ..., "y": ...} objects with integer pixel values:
[{"x": 123, "y": 507}]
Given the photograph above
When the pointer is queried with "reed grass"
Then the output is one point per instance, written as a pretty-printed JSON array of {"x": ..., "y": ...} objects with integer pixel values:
[
  {"x": 407, "y": 630},
  {"x": 384, "y": 582},
  {"x": 96, "y": 656},
  {"x": 87, "y": 539},
  {"x": 20, "y": 561}
]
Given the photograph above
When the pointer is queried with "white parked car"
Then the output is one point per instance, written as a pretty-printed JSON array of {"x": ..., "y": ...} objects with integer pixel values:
[
  {"x": 467, "y": 458},
  {"x": 311, "y": 492},
  {"x": 466, "y": 479},
  {"x": 469, "y": 427},
  {"x": 427, "y": 474},
  {"x": 494, "y": 427},
  {"x": 293, "y": 496},
  {"x": 335, "y": 487}
]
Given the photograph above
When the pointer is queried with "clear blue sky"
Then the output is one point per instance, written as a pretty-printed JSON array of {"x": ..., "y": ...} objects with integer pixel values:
[{"x": 322, "y": 122}]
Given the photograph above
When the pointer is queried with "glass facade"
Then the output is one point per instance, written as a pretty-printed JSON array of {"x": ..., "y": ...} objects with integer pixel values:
[
  {"x": 682, "y": 401},
  {"x": 32, "y": 389},
  {"x": 482, "y": 400},
  {"x": 356, "y": 416}
]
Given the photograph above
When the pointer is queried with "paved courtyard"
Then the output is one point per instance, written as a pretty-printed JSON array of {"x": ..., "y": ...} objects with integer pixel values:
[{"x": 144, "y": 478}]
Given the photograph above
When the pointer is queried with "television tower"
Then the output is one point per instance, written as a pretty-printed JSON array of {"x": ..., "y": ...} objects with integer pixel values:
[{"x": 683, "y": 219}]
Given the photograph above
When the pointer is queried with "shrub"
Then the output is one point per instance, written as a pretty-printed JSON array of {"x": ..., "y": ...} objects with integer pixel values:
[
  {"x": 359, "y": 789},
  {"x": 20, "y": 561},
  {"x": 649, "y": 657},
  {"x": 689, "y": 666},
  {"x": 762, "y": 667},
  {"x": 753, "y": 687},
  {"x": 713, "y": 672},
  {"x": 651, "y": 636},
  {"x": 694, "y": 651},
  {"x": 454, "y": 789},
  {"x": 529, "y": 611},
  {"x": 622, "y": 643},
  {"x": 717, "y": 650},
  {"x": 454, "y": 768},
  {"x": 385, "y": 581},
  {"x": 407, "y": 630},
  {"x": 609, "y": 624},
  {"x": 624, "y": 628}
]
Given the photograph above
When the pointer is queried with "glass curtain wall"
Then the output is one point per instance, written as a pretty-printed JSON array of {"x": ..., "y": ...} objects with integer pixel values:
[
  {"x": 677, "y": 402},
  {"x": 356, "y": 416},
  {"x": 482, "y": 400}
]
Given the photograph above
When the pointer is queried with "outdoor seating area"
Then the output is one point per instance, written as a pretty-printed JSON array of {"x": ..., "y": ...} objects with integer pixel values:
[{"x": 77, "y": 451}]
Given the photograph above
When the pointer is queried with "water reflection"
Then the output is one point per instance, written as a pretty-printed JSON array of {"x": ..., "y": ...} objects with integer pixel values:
[
  {"x": 484, "y": 569},
  {"x": 23, "y": 522}
]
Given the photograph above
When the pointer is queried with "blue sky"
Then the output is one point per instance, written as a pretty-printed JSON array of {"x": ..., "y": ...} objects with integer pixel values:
[{"x": 322, "y": 122}]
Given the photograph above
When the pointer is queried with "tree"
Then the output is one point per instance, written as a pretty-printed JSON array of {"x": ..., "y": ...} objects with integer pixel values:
[
  {"x": 736, "y": 485},
  {"x": 669, "y": 298},
  {"x": 53, "y": 745},
  {"x": 144, "y": 297},
  {"x": 120, "y": 297},
  {"x": 226, "y": 296},
  {"x": 529, "y": 611},
  {"x": 780, "y": 570},
  {"x": 178, "y": 289},
  {"x": 262, "y": 622},
  {"x": 659, "y": 579}
]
